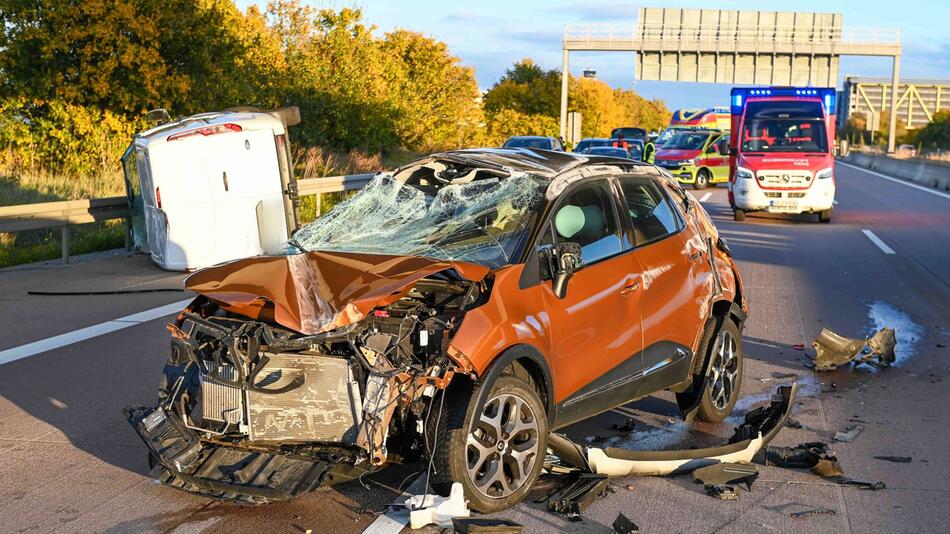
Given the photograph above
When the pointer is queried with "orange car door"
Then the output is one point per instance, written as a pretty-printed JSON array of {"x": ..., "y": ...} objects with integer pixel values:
[
  {"x": 672, "y": 258},
  {"x": 595, "y": 330}
]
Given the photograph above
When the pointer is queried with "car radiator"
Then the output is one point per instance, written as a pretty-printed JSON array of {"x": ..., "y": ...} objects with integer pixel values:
[{"x": 325, "y": 406}]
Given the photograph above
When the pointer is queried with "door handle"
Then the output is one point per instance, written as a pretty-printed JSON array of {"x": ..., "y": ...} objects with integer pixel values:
[
  {"x": 631, "y": 286},
  {"x": 696, "y": 255}
]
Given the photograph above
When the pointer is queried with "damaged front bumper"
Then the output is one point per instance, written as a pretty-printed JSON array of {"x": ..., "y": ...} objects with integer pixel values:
[
  {"x": 252, "y": 412},
  {"x": 221, "y": 472}
]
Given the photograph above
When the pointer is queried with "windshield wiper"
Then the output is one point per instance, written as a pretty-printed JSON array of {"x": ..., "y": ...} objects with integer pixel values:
[{"x": 296, "y": 244}]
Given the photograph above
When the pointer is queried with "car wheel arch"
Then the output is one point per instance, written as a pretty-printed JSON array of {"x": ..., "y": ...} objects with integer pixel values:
[{"x": 531, "y": 361}]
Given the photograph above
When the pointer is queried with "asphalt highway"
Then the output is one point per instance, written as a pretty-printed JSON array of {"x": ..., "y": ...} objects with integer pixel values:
[{"x": 70, "y": 463}]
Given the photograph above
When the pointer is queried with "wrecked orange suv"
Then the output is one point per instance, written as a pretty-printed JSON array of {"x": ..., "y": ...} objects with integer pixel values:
[{"x": 458, "y": 310}]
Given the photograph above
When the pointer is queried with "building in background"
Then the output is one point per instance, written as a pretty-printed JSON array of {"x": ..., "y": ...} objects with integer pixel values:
[{"x": 917, "y": 100}]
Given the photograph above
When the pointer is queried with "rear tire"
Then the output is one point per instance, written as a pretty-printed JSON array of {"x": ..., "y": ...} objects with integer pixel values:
[
  {"x": 702, "y": 180},
  {"x": 738, "y": 214},
  {"x": 825, "y": 216},
  {"x": 496, "y": 451},
  {"x": 725, "y": 375}
]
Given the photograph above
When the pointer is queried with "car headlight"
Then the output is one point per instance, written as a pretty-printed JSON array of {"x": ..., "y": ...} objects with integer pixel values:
[
  {"x": 824, "y": 173},
  {"x": 746, "y": 174}
]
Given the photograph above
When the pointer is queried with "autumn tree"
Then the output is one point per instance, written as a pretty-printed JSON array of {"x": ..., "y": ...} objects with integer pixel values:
[{"x": 131, "y": 55}]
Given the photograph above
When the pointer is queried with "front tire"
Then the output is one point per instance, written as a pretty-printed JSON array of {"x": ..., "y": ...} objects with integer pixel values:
[
  {"x": 825, "y": 216},
  {"x": 497, "y": 451},
  {"x": 738, "y": 214},
  {"x": 725, "y": 375},
  {"x": 702, "y": 180}
]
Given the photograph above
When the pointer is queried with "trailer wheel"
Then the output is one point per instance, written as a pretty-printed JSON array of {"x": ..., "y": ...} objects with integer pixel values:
[{"x": 495, "y": 451}]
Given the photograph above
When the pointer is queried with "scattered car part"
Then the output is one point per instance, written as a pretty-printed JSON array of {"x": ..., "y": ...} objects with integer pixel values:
[
  {"x": 623, "y": 525},
  {"x": 896, "y": 459},
  {"x": 757, "y": 430},
  {"x": 833, "y": 350},
  {"x": 813, "y": 511},
  {"x": 873, "y": 486},
  {"x": 812, "y": 455},
  {"x": 727, "y": 473},
  {"x": 723, "y": 491},
  {"x": 434, "y": 509},
  {"x": 484, "y": 525},
  {"x": 848, "y": 435},
  {"x": 576, "y": 494},
  {"x": 626, "y": 426}
]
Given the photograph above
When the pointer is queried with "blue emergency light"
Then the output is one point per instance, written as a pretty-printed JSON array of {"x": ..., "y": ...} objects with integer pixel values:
[{"x": 741, "y": 94}]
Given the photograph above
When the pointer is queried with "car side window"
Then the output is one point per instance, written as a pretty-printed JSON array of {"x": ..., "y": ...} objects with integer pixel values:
[
  {"x": 652, "y": 216},
  {"x": 586, "y": 216}
]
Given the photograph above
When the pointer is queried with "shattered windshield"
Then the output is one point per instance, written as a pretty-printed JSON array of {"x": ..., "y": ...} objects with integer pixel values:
[{"x": 480, "y": 222}]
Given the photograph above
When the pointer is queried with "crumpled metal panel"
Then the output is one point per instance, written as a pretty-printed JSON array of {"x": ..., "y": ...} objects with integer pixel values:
[{"x": 317, "y": 291}]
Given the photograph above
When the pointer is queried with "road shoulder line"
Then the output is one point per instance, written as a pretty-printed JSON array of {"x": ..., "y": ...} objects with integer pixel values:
[
  {"x": 877, "y": 241},
  {"x": 89, "y": 332},
  {"x": 897, "y": 180}
]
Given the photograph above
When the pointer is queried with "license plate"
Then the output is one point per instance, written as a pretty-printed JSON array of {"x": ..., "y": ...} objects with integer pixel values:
[{"x": 783, "y": 205}]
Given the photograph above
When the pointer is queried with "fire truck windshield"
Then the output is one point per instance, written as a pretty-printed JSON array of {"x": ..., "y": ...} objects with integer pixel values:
[{"x": 784, "y": 126}]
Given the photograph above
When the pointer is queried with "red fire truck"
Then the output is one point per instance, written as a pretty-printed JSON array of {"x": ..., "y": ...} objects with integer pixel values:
[{"x": 782, "y": 151}]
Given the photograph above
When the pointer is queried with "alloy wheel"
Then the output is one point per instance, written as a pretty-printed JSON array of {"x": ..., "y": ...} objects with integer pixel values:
[
  {"x": 503, "y": 446},
  {"x": 725, "y": 371}
]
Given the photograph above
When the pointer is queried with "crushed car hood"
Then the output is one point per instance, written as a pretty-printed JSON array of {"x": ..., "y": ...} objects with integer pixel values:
[{"x": 318, "y": 291}]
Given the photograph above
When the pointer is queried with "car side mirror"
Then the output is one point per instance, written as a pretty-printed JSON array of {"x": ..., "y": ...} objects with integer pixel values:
[
  {"x": 561, "y": 261},
  {"x": 732, "y": 151}
]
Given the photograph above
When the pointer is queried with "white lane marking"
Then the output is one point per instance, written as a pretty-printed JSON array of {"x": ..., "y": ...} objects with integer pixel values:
[
  {"x": 705, "y": 197},
  {"x": 393, "y": 521},
  {"x": 89, "y": 332},
  {"x": 877, "y": 241},
  {"x": 898, "y": 181}
]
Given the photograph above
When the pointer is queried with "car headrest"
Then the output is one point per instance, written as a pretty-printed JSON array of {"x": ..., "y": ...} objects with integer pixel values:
[{"x": 579, "y": 221}]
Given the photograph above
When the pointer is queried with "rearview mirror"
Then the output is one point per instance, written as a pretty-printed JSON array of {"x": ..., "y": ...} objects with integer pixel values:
[{"x": 561, "y": 261}]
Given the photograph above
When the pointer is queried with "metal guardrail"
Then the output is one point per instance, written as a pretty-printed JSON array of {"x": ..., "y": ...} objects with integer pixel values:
[{"x": 63, "y": 214}]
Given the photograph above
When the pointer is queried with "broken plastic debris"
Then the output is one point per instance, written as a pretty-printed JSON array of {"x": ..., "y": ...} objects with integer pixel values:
[
  {"x": 484, "y": 525},
  {"x": 848, "y": 435},
  {"x": 813, "y": 455},
  {"x": 428, "y": 509},
  {"x": 814, "y": 511},
  {"x": 623, "y": 525},
  {"x": 756, "y": 431},
  {"x": 626, "y": 426},
  {"x": 897, "y": 459},
  {"x": 727, "y": 473},
  {"x": 576, "y": 494},
  {"x": 722, "y": 480},
  {"x": 833, "y": 350}
]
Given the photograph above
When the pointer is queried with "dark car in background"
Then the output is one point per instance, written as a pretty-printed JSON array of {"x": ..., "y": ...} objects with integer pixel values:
[
  {"x": 534, "y": 141},
  {"x": 591, "y": 142},
  {"x": 630, "y": 132}
]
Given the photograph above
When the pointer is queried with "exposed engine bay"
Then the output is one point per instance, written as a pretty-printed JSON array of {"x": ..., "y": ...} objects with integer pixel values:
[{"x": 252, "y": 411}]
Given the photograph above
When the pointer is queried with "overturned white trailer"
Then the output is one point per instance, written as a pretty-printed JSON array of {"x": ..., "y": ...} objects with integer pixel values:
[{"x": 212, "y": 187}]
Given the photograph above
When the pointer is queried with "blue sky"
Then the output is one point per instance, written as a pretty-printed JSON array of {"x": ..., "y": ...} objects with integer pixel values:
[{"x": 490, "y": 35}]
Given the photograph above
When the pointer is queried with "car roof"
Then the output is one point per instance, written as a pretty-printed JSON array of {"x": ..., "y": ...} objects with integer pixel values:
[
  {"x": 536, "y": 161},
  {"x": 529, "y": 137}
]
